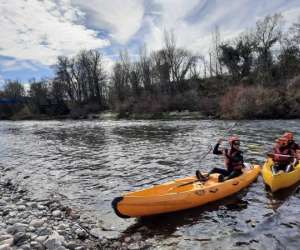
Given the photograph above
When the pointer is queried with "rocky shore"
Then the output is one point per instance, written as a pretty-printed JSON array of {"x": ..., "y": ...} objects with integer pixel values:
[{"x": 27, "y": 224}]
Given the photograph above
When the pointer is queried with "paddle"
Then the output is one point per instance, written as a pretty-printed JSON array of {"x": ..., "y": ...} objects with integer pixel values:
[{"x": 204, "y": 156}]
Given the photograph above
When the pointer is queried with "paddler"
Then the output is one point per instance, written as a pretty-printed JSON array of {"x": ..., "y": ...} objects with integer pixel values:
[
  {"x": 234, "y": 161},
  {"x": 291, "y": 143},
  {"x": 283, "y": 156}
]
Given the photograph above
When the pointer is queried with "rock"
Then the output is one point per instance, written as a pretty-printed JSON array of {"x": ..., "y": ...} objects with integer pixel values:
[
  {"x": 43, "y": 231},
  {"x": 5, "y": 247},
  {"x": 137, "y": 236},
  {"x": 72, "y": 245},
  {"x": 20, "y": 238},
  {"x": 61, "y": 248},
  {"x": 41, "y": 207},
  {"x": 31, "y": 229},
  {"x": 134, "y": 246},
  {"x": 17, "y": 227},
  {"x": 127, "y": 239},
  {"x": 11, "y": 221},
  {"x": 5, "y": 237},
  {"x": 36, "y": 245},
  {"x": 21, "y": 208},
  {"x": 13, "y": 213},
  {"x": 116, "y": 245},
  {"x": 62, "y": 227},
  {"x": 5, "y": 212},
  {"x": 81, "y": 234},
  {"x": 54, "y": 241},
  {"x": 37, "y": 222},
  {"x": 3, "y": 203},
  {"x": 9, "y": 241},
  {"x": 25, "y": 247},
  {"x": 79, "y": 248},
  {"x": 56, "y": 213},
  {"x": 41, "y": 239},
  {"x": 100, "y": 234}
]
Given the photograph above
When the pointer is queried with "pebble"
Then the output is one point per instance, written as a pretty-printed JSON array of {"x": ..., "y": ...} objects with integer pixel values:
[
  {"x": 17, "y": 227},
  {"x": 72, "y": 245},
  {"x": 5, "y": 237},
  {"x": 20, "y": 238},
  {"x": 41, "y": 207},
  {"x": 36, "y": 245},
  {"x": 56, "y": 213},
  {"x": 5, "y": 247},
  {"x": 62, "y": 227},
  {"x": 40, "y": 225},
  {"x": 21, "y": 208},
  {"x": 54, "y": 241},
  {"x": 137, "y": 237},
  {"x": 9, "y": 241},
  {"x": 81, "y": 234},
  {"x": 37, "y": 222},
  {"x": 127, "y": 239},
  {"x": 41, "y": 239},
  {"x": 134, "y": 246}
]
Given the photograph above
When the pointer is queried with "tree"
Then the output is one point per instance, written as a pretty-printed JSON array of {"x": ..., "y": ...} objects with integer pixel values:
[
  {"x": 14, "y": 90},
  {"x": 268, "y": 32},
  {"x": 82, "y": 77},
  {"x": 237, "y": 55},
  {"x": 230, "y": 57},
  {"x": 38, "y": 94}
]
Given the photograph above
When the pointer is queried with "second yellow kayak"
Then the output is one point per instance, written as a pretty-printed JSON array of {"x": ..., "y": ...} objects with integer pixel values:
[
  {"x": 180, "y": 194},
  {"x": 281, "y": 179}
]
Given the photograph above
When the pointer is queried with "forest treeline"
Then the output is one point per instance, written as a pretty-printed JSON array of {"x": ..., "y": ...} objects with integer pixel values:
[{"x": 254, "y": 75}]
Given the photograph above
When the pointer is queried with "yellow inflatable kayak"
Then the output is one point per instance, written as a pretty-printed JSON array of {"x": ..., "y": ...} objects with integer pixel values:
[
  {"x": 281, "y": 179},
  {"x": 180, "y": 194}
]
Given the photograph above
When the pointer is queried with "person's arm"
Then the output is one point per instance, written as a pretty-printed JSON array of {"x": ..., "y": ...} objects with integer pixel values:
[{"x": 216, "y": 150}]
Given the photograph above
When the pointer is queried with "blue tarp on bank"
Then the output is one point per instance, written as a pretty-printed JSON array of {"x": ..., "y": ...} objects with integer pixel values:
[{"x": 7, "y": 101}]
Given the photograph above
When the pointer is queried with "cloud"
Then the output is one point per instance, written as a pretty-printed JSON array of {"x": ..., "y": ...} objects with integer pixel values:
[
  {"x": 120, "y": 18},
  {"x": 41, "y": 30},
  {"x": 35, "y": 32},
  {"x": 15, "y": 65},
  {"x": 194, "y": 23}
]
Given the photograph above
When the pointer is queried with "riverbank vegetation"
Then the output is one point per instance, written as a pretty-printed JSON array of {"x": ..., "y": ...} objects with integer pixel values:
[{"x": 254, "y": 75}]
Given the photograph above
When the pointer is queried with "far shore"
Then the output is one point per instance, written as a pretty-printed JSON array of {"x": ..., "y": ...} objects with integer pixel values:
[{"x": 110, "y": 115}]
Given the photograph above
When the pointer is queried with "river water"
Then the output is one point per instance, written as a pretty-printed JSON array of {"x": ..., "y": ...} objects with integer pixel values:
[{"x": 88, "y": 163}]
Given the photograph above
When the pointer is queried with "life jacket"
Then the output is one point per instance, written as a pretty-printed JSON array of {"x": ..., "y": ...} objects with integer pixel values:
[
  {"x": 283, "y": 150},
  {"x": 231, "y": 162},
  {"x": 283, "y": 154},
  {"x": 293, "y": 145}
]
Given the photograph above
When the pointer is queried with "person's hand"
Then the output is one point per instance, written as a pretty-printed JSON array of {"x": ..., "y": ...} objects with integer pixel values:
[{"x": 220, "y": 141}]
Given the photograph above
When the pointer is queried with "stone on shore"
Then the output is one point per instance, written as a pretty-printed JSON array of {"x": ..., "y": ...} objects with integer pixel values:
[
  {"x": 37, "y": 222},
  {"x": 56, "y": 213}
]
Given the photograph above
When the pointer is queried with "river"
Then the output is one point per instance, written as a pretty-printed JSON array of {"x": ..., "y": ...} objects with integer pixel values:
[{"x": 88, "y": 163}]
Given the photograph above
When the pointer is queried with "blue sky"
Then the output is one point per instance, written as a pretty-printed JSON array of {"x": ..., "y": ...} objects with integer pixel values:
[{"x": 35, "y": 32}]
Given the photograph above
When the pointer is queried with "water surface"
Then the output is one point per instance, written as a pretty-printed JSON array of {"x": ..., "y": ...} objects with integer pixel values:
[{"x": 88, "y": 163}]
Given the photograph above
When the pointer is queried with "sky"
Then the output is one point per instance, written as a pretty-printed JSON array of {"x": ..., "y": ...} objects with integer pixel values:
[{"x": 35, "y": 32}]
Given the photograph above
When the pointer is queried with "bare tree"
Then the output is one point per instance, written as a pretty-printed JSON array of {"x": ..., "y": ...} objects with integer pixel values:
[{"x": 14, "y": 90}]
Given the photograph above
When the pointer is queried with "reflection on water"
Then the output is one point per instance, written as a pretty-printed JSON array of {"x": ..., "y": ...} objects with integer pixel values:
[{"x": 91, "y": 162}]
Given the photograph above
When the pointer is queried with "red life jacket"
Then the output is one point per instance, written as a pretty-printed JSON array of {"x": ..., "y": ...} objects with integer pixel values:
[
  {"x": 283, "y": 154},
  {"x": 283, "y": 150},
  {"x": 230, "y": 162}
]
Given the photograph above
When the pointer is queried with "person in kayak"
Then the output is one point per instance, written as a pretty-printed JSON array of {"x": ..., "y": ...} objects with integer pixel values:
[
  {"x": 283, "y": 156},
  {"x": 291, "y": 143},
  {"x": 234, "y": 161}
]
